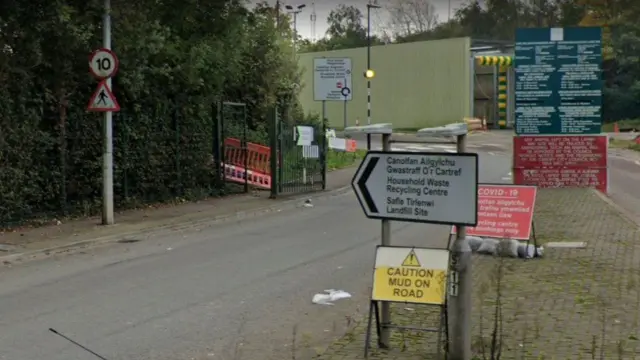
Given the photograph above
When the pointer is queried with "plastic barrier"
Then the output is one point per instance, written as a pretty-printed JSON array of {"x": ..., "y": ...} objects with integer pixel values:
[{"x": 258, "y": 163}]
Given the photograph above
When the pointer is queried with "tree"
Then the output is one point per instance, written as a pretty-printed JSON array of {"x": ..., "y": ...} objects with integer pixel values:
[
  {"x": 345, "y": 31},
  {"x": 177, "y": 59},
  {"x": 407, "y": 17}
]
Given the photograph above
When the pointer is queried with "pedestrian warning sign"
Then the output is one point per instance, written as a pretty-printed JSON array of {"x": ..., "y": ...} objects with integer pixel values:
[
  {"x": 411, "y": 275},
  {"x": 103, "y": 99},
  {"x": 411, "y": 259}
]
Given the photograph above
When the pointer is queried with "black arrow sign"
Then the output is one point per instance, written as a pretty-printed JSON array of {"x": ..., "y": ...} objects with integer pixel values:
[{"x": 363, "y": 181}]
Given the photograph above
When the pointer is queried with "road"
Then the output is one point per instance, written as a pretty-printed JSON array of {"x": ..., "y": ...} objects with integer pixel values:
[
  {"x": 624, "y": 177},
  {"x": 207, "y": 293}
]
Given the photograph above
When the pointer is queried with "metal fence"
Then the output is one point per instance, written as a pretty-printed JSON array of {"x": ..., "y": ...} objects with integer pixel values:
[{"x": 301, "y": 168}]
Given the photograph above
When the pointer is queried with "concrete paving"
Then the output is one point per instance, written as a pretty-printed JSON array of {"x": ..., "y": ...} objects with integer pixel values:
[{"x": 232, "y": 291}]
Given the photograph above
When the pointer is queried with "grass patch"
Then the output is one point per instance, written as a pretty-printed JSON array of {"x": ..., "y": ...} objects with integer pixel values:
[
  {"x": 622, "y": 124},
  {"x": 340, "y": 159},
  {"x": 624, "y": 144}
]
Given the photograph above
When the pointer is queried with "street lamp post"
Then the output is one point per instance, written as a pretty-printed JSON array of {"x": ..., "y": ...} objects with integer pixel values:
[
  {"x": 295, "y": 11},
  {"x": 369, "y": 71}
]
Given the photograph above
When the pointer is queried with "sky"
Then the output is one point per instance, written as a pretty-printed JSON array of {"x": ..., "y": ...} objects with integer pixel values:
[{"x": 378, "y": 17}]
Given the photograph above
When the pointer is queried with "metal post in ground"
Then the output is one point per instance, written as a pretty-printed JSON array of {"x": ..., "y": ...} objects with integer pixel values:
[
  {"x": 385, "y": 310},
  {"x": 107, "y": 132},
  {"x": 459, "y": 304}
]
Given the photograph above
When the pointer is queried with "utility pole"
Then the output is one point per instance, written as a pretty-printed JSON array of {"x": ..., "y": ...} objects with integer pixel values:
[{"x": 107, "y": 132}]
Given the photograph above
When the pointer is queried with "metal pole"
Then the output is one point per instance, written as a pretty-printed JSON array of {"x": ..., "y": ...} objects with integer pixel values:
[
  {"x": 344, "y": 120},
  {"x": 496, "y": 110},
  {"x": 107, "y": 133},
  {"x": 368, "y": 67},
  {"x": 460, "y": 299},
  {"x": 325, "y": 148},
  {"x": 385, "y": 310}
]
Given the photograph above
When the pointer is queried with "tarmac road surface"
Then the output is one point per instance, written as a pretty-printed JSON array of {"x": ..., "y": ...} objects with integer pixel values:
[{"x": 234, "y": 291}]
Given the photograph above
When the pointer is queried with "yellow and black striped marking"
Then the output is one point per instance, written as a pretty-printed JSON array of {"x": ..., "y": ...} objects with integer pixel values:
[
  {"x": 494, "y": 60},
  {"x": 502, "y": 97}
]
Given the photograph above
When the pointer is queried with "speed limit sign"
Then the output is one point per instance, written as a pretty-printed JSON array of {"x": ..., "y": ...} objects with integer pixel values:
[{"x": 103, "y": 63}]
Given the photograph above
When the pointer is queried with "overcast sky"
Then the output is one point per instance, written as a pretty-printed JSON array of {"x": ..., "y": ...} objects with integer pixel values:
[{"x": 378, "y": 17}]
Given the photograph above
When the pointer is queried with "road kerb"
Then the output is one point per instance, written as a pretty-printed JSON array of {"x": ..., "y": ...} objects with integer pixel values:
[
  {"x": 151, "y": 229},
  {"x": 623, "y": 212}
]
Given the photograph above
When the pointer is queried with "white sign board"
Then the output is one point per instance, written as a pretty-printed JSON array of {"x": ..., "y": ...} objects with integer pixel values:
[
  {"x": 304, "y": 135},
  {"x": 439, "y": 188},
  {"x": 332, "y": 79}
]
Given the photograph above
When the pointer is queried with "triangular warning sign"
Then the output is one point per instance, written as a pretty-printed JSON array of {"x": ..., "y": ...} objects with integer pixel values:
[
  {"x": 411, "y": 259},
  {"x": 103, "y": 99}
]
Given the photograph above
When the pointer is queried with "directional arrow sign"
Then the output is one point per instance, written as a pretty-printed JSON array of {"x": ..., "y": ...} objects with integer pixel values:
[{"x": 439, "y": 188}]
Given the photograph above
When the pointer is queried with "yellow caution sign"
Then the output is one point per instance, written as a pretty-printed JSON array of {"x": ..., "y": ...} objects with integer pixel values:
[{"x": 412, "y": 275}]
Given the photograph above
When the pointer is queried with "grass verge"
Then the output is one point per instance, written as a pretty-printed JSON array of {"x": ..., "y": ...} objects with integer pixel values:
[
  {"x": 622, "y": 124},
  {"x": 340, "y": 159},
  {"x": 624, "y": 144}
]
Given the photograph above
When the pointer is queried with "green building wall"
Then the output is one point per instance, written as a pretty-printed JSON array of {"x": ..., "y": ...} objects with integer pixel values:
[{"x": 417, "y": 85}]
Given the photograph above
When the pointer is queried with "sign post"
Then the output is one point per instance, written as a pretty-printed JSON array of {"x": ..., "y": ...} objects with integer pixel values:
[
  {"x": 332, "y": 82},
  {"x": 424, "y": 187},
  {"x": 103, "y": 64},
  {"x": 330, "y": 76},
  {"x": 460, "y": 275}
]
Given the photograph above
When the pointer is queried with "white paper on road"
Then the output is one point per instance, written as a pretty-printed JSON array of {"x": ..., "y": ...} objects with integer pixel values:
[{"x": 329, "y": 297}]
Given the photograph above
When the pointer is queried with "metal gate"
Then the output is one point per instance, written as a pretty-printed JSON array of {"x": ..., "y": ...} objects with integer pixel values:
[
  {"x": 300, "y": 159},
  {"x": 230, "y": 153}
]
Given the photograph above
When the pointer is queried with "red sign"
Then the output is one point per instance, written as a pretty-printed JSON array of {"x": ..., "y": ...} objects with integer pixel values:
[
  {"x": 504, "y": 211},
  {"x": 563, "y": 177},
  {"x": 339, "y": 85},
  {"x": 552, "y": 151},
  {"x": 561, "y": 161}
]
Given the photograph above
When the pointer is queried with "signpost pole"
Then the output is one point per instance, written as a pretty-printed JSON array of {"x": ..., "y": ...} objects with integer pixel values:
[
  {"x": 345, "y": 113},
  {"x": 460, "y": 297},
  {"x": 107, "y": 132},
  {"x": 385, "y": 309}
]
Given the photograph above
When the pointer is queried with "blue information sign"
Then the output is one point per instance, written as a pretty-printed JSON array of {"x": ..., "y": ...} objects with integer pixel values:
[{"x": 558, "y": 87}]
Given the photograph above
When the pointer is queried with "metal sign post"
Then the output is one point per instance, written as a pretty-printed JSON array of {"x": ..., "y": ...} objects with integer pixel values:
[
  {"x": 424, "y": 187},
  {"x": 103, "y": 65},
  {"x": 460, "y": 275},
  {"x": 385, "y": 130}
]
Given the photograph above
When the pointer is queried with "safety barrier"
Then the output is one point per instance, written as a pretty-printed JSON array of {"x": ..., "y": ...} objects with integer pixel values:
[
  {"x": 258, "y": 163},
  {"x": 494, "y": 60}
]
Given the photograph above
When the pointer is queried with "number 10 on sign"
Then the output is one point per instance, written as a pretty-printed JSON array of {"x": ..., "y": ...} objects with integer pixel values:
[{"x": 103, "y": 63}]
